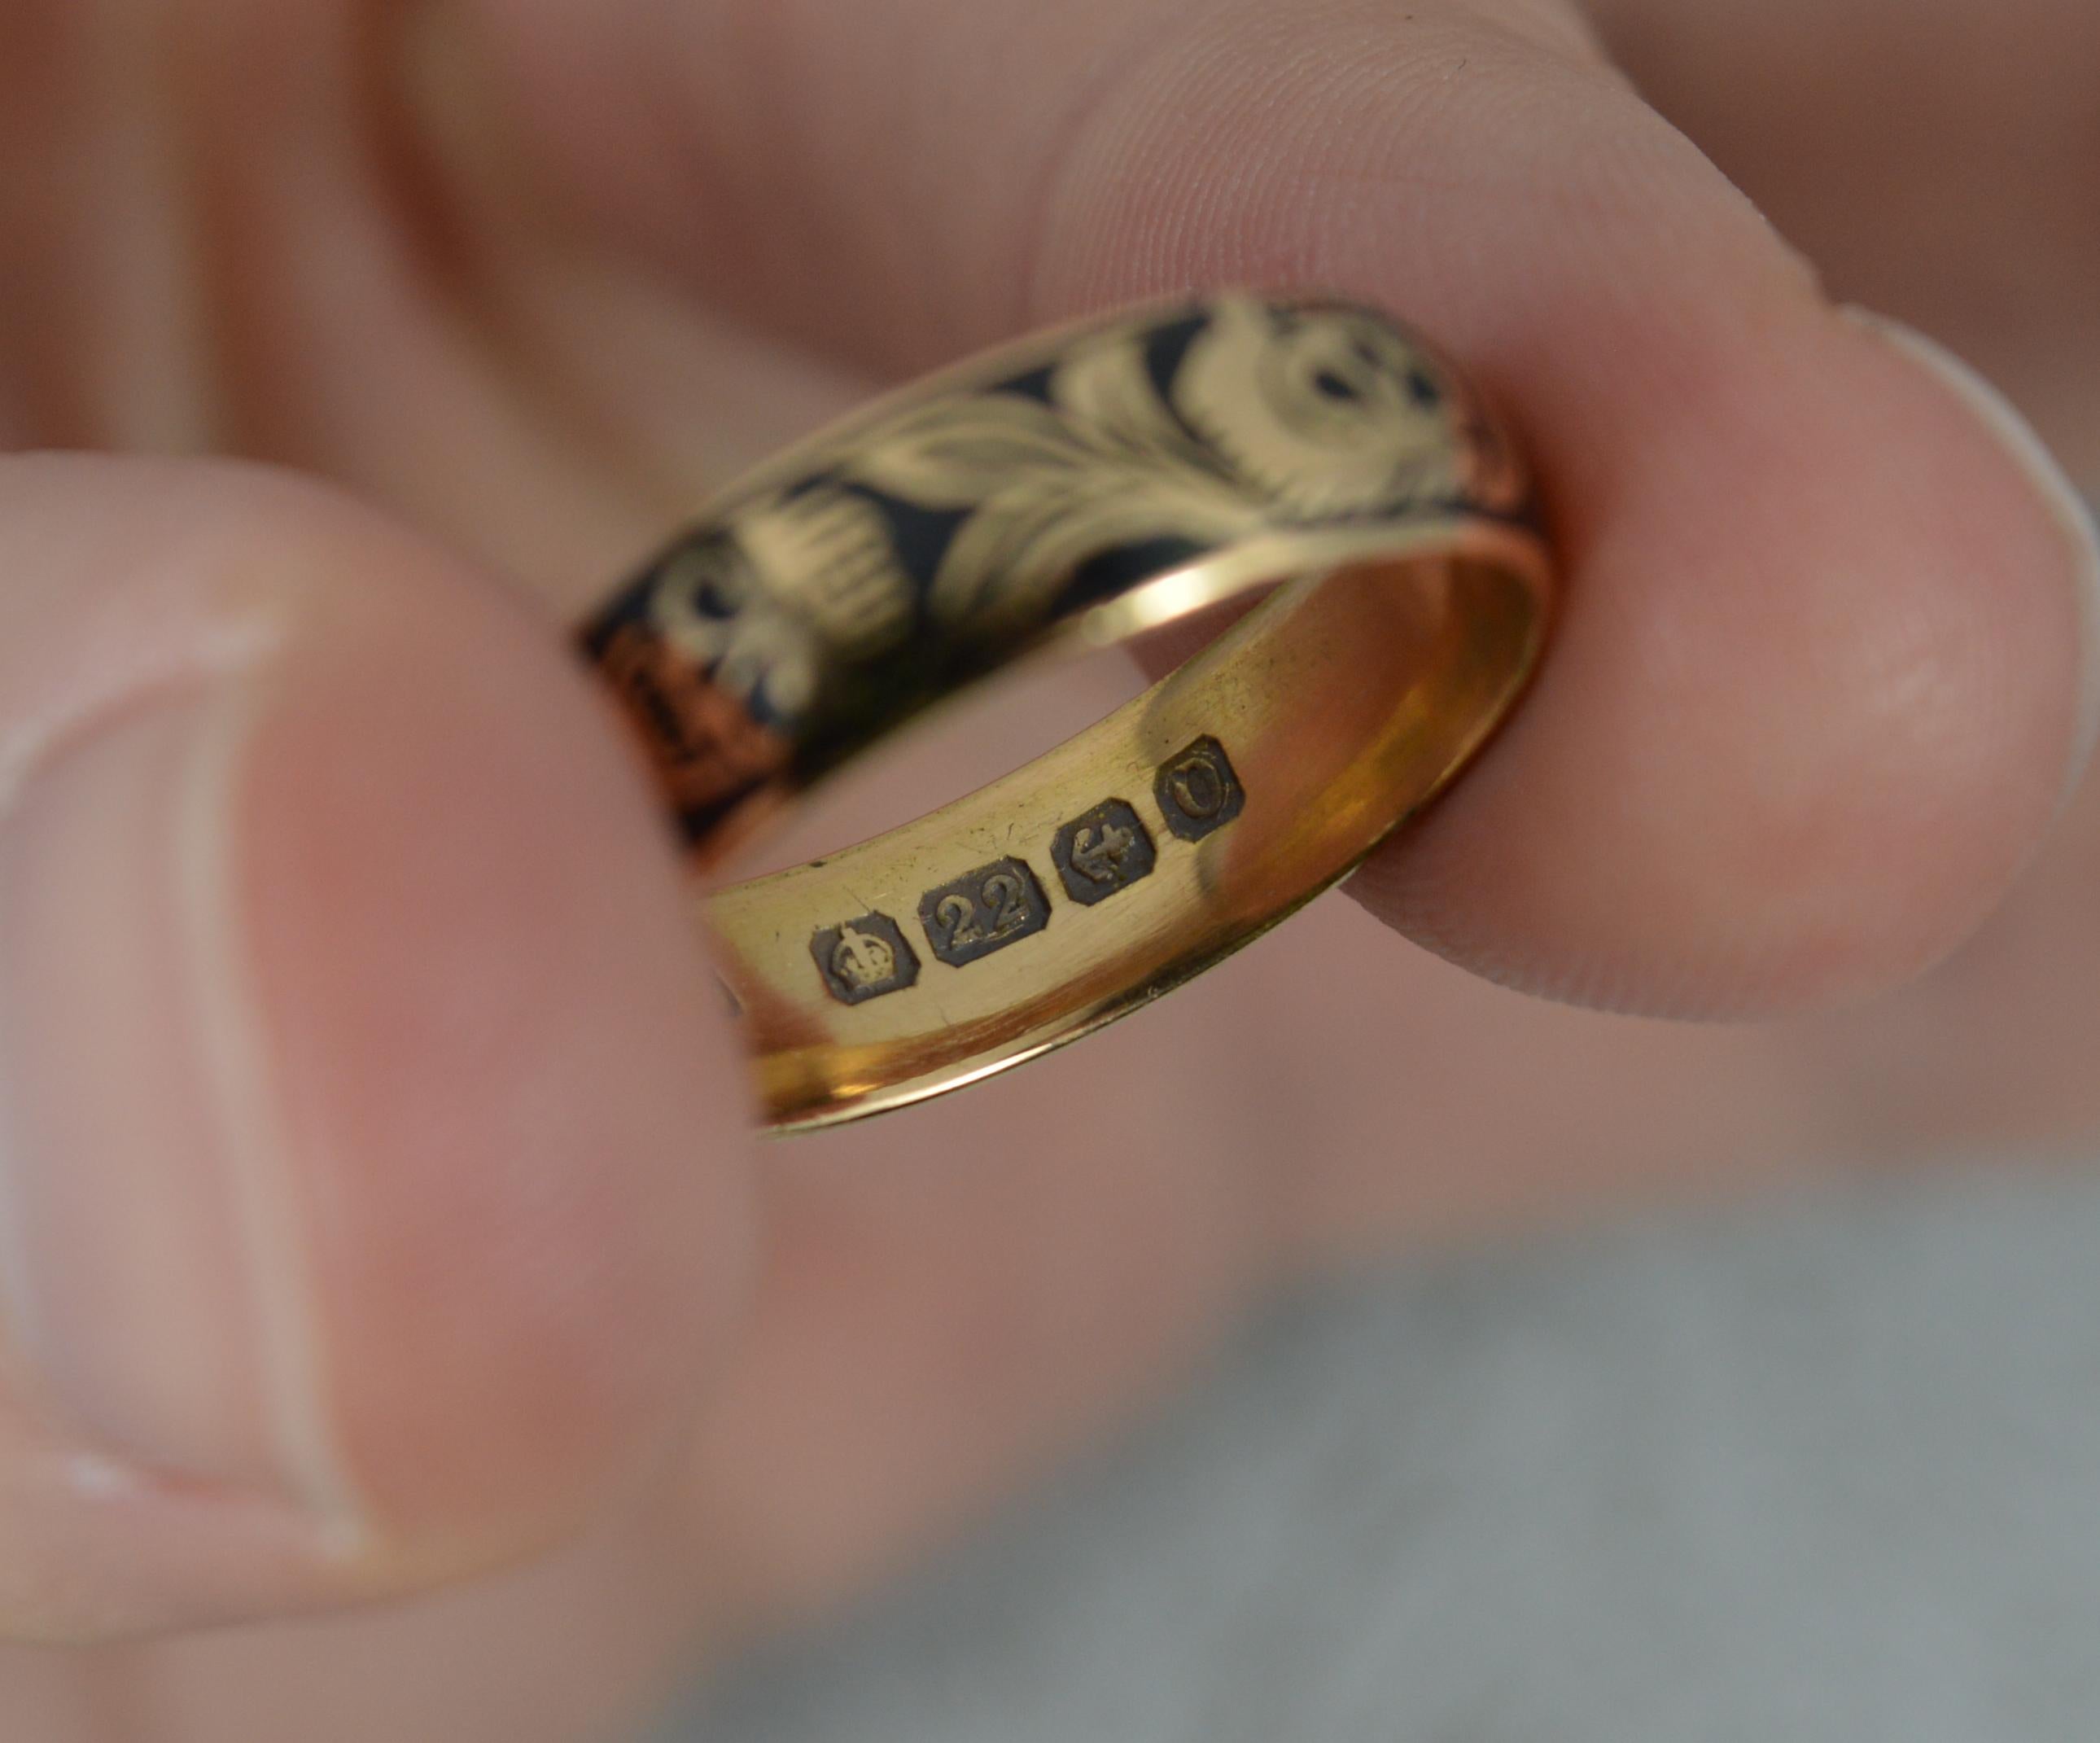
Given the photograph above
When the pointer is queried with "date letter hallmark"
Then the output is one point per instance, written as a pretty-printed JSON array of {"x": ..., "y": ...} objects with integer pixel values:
[
  {"x": 865, "y": 959},
  {"x": 996, "y": 906},
  {"x": 1107, "y": 850},
  {"x": 1199, "y": 791}
]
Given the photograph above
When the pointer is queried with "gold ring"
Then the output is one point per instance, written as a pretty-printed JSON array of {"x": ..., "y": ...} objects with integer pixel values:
[{"x": 1080, "y": 487}]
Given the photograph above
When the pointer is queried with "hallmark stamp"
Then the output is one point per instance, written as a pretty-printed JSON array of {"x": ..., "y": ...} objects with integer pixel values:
[
  {"x": 1107, "y": 850},
  {"x": 1199, "y": 791},
  {"x": 996, "y": 906},
  {"x": 865, "y": 959}
]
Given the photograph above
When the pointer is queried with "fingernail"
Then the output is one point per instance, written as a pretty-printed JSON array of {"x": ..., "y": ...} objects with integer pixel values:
[
  {"x": 153, "y": 1266},
  {"x": 2051, "y": 483}
]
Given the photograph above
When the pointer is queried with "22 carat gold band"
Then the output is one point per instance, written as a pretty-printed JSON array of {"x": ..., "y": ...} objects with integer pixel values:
[{"x": 1080, "y": 487}]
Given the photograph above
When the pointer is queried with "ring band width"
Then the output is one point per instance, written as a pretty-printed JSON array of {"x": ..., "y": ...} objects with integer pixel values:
[{"x": 1086, "y": 485}]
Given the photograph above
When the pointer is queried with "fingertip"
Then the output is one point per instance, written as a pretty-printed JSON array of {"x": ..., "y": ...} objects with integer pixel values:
[
  {"x": 374, "y": 1191},
  {"x": 1823, "y": 668},
  {"x": 521, "y": 1116},
  {"x": 2060, "y": 501}
]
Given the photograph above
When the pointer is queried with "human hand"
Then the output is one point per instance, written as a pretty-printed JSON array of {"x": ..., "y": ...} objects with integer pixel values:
[{"x": 377, "y": 1201}]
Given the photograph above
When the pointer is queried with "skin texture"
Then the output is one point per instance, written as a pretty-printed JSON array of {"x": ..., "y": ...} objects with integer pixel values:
[{"x": 518, "y": 279}]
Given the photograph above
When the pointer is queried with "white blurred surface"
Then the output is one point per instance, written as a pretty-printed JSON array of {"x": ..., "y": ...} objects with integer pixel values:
[{"x": 1829, "y": 1474}]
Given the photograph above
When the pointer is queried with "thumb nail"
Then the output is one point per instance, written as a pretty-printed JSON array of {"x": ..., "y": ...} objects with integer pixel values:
[
  {"x": 2058, "y": 496},
  {"x": 153, "y": 1268}
]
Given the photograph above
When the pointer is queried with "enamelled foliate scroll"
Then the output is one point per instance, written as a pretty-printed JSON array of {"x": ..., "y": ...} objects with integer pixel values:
[
  {"x": 934, "y": 538},
  {"x": 1301, "y": 456}
]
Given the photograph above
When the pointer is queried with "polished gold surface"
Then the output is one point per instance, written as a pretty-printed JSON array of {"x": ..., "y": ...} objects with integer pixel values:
[{"x": 1086, "y": 486}]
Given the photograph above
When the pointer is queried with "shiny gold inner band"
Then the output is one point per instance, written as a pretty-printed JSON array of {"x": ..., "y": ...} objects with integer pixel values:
[{"x": 1318, "y": 723}]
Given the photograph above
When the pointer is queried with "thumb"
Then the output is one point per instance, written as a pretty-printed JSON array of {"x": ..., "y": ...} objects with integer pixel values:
[{"x": 371, "y": 1174}]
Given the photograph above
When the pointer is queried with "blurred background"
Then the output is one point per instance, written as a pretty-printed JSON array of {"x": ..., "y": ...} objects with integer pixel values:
[{"x": 1826, "y": 1474}]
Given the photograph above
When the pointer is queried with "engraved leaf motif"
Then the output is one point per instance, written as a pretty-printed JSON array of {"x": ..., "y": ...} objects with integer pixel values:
[
  {"x": 1324, "y": 413},
  {"x": 950, "y": 455},
  {"x": 1103, "y": 387},
  {"x": 1018, "y": 551},
  {"x": 1105, "y": 465}
]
